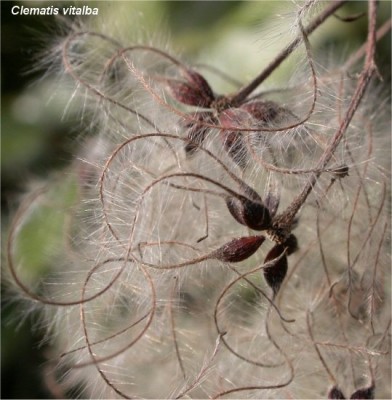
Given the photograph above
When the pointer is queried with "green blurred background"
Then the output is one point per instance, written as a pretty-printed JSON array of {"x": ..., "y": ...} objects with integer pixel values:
[{"x": 37, "y": 139}]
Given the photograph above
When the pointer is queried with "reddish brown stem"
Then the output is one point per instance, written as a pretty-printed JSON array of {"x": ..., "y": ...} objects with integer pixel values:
[
  {"x": 247, "y": 90},
  {"x": 364, "y": 79}
]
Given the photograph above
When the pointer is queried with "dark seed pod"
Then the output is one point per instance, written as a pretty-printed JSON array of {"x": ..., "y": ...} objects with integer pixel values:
[
  {"x": 238, "y": 249},
  {"x": 266, "y": 112},
  {"x": 275, "y": 273},
  {"x": 234, "y": 141},
  {"x": 236, "y": 148},
  {"x": 232, "y": 119},
  {"x": 271, "y": 201},
  {"x": 335, "y": 393},
  {"x": 250, "y": 193},
  {"x": 341, "y": 171},
  {"x": 263, "y": 111},
  {"x": 291, "y": 244},
  {"x": 364, "y": 393},
  {"x": 196, "y": 131},
  {"x": 194, "y": 92},
  {"x": 196, "y": 138},
  {"x": 249, "y": 213},
  {"x": 199, "y": 82}
]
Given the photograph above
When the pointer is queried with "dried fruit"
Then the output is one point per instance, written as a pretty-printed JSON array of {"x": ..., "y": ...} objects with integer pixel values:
[
  {"x": 272, "y": 203},
  {"x": 196, "y": 130},
  {"x": 275, "y": 273},
  {"x": 341, "y": 172},
  {"x": 335, "y": 393},
  {"x": 238, "y": 249},
  {"x": 364, "y": 393},
  {"x": 195, "y": 92},
  {"x": 234, "y": 141},
  {"x": 262, "y": 111},
  {"x": 235, "y": 146},
  {"x": 199, "y": 82},
  {"x": 249, "y": 213},
  {"x": 291, "y": 244}
]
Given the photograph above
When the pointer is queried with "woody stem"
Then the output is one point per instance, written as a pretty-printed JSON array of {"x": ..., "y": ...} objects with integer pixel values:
[
  {"x": 363, "y": 81},
  {"x": 247, "y": 90}
]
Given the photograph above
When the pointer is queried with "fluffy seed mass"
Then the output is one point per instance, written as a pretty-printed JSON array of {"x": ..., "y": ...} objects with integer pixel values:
[{"x": 157, "y": 283}]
